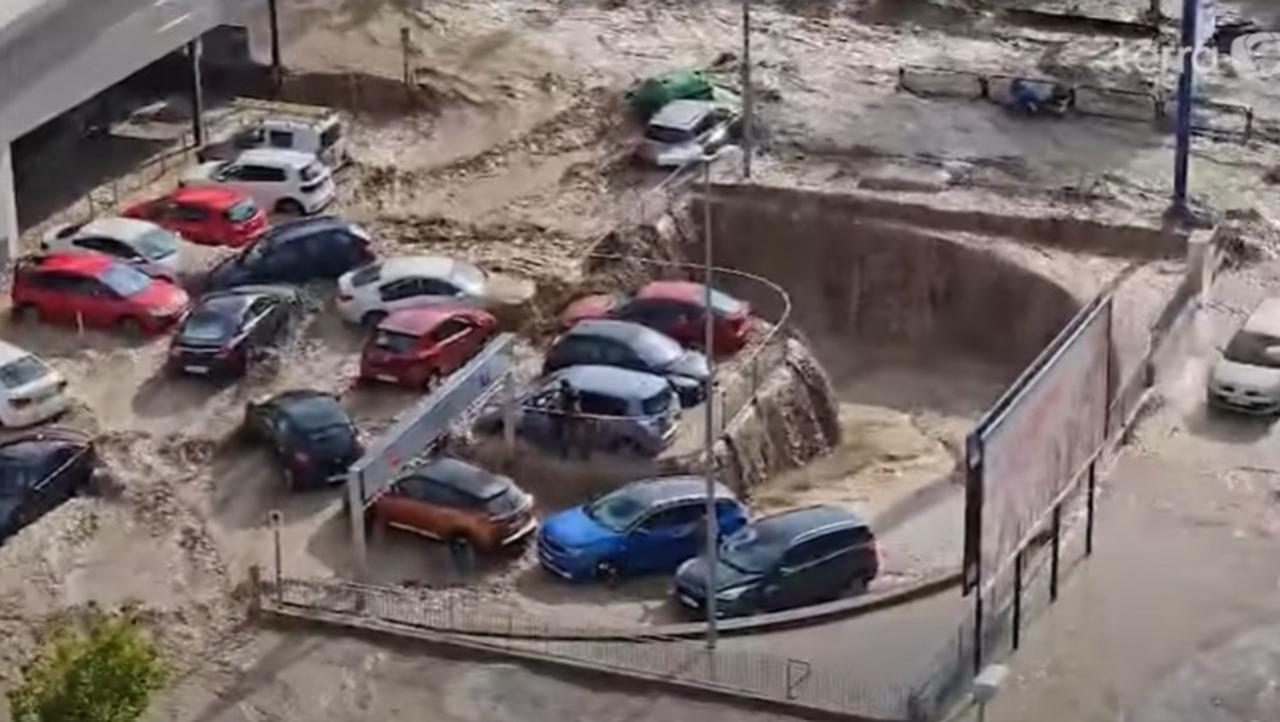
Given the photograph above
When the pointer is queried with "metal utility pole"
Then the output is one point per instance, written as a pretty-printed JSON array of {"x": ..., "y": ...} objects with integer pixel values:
[
  {"x": 197, "y": 93},
  {"x": 713, "y": 531},
  {"x": 277, "y": 67},
  {"x": 748, "y": 99},
  {"x": 1186, "y": 81}
]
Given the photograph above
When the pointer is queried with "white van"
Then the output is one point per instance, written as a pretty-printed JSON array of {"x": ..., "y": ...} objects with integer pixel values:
[{"x": 281, "y": 126}]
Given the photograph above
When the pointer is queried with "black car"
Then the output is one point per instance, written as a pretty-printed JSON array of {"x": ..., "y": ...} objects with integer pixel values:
[
  {"x": 311, "y": 434},
  {"x": 606, "y": 342},
  {"x": 297, "y": 252},
  {"x": 227, "y": 328},
  {"x": 792, "y": 559},
  {"x": 39, "y": 471}
]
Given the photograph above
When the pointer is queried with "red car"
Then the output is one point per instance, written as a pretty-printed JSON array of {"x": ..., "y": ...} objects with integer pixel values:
[
  {"x": 674, "y": 308},
  {"x": 95, "y": 290},
  {"x": 210, "y": 215},
  {"x": 418, "y": 347}
]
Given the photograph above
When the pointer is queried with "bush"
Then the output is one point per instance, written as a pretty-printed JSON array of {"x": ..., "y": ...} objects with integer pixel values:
[{"x": 101, "y": 669}]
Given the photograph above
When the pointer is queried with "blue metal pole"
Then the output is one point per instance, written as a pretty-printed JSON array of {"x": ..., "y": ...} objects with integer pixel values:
[{"x": 1186, "y": 79}]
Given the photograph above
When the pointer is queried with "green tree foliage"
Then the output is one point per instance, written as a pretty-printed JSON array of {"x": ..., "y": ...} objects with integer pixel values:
[{"x": 102, "y": 669}]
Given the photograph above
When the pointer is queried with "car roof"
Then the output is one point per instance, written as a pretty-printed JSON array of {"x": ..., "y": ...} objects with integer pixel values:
[
  {"x": 682, "y": 114},
  {"x": 277, "y": 156},
  {"x": 418, "y": 321},
  {"x": 796, "y": 522},
  {"x": 303, "y": 227},
  {"x": 291, "y": 402},
  {"x": 673, "y": 488},
  {"x": 609, "y": 381},
  {"x": 9, "y": 353},
  {"x": 229, "y": 302},
  {"x": 468, "y": 479},
  {"x": 83, "y": 263},
  {"x": 1265, "y": 319},
  {"x": 432, "y": 266},
  {"x": 217, "y": 197},
  {"x": 686, "y": 291},
  {"x": 122, "y": 229},
  {"x": 627, "y": 332}
]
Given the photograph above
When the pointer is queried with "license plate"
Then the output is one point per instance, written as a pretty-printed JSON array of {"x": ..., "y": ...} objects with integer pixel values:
[
  {"x": 196, "y": 369},
  {"x": 387, "y": 378}
]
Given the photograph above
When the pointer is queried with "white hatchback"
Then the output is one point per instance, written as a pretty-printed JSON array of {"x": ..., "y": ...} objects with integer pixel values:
[
  {"x": 30, "y": 391},
  {"x": 367, "y": 294},
  {"x": 1247, "y": 377},
  {"x": 283, "y": 181},
  {"x": 130, "y": 240}
]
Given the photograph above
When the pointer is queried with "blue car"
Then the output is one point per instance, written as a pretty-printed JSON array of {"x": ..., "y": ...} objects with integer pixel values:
[{"x": 645, "y": 527}]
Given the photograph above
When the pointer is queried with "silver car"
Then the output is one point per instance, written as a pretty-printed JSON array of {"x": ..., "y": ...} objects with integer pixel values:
[{"x": 684, "y": 131}]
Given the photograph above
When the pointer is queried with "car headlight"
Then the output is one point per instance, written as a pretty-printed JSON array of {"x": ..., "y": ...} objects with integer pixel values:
[{"x": 731, "y": 595}]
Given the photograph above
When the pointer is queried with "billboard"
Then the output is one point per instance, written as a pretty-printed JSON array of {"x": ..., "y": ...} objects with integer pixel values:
[{"x": 1035, "y": 443}]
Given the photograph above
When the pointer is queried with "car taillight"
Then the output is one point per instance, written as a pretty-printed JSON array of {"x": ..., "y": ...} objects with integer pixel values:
[{"x": 301, "y": 458}]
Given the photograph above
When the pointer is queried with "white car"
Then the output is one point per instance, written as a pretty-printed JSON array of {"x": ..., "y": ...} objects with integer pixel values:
[
  {"x": 284, "y": 181},
  {"x": 30, "y": 391},
  {"x": 367, "y": 294},
  {"x": 1247, "y": 377},
  {"x": 685, "y": 131},
  {"x": 130, "y": 240}
]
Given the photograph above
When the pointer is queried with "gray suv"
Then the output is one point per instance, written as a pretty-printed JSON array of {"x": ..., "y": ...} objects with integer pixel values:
[{"x": 622, "y": 411}]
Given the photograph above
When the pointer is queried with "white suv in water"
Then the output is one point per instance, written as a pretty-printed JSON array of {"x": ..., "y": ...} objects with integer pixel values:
[
  {"x": 30, "y": 391},
  {"x": 284, "y": 181},
  {"x": 1247, "y": 377}
]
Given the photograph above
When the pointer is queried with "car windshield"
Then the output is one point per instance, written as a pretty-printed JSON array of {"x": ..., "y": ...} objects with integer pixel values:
[
  {"x": 23, "y": 371},
  {"x": 656, "y": 349},
  {"x": 665, "y": 134},
  {"x": 616, "y": 511},
  {"x": 241, "y": 212},
  {"x": 724, "y": 304},
  {"x": 365, "y": 275},
  {"x": 156, "y": 244},
  {"x": 507, "y": 502},
  {"x": 395, "y": 342},
  {"x": 753, "y": 550},
  {"x": 1250, "y": 348},
  {"x": 312, "y": 172},
  {"x": 206, "y": 326},
  {"x": 657, "y": 404},
  {"x": 125, "y": 280}
]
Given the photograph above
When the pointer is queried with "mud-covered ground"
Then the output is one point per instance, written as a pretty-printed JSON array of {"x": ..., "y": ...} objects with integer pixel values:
[{"x": 512, "y": 151}]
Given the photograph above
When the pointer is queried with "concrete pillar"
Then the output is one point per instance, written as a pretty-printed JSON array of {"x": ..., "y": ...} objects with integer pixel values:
[
  {"x": 197, "y": 93},
  {"x": 8, "y": 207}
]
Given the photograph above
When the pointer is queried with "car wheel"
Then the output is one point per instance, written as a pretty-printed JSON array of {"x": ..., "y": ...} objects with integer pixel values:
[
  {"x": 131, "y": 328},
  {"x": 28, "y": 314},
  {"x": 463, "y": 553},
  {"x": 607, "y": 572},
  {"x": 372, "y": 319},
  {"x": 290, "y": 207}
]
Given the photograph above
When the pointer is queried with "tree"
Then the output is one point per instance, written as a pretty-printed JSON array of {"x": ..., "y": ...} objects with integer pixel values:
[{"x": 101, "y": 669}]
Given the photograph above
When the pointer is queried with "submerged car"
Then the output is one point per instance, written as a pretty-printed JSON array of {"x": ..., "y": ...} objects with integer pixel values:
[
  {"x": 30, "y": 391},
  {"x": 128, "y": 240},
  {"x": 675, "y": 308},
  {"x": 208, "y": 215},
  {"x": 97, "y": 291},
  {"x": 310, "y": 433},
  {"x": 1247, "y": 377},
  {"x": 452, "y": 501},
  {"x": 297, "y": 252},
  {"x": 645, "y": 527},
  {"x": 39, "y": 471},
  {"x": 792, "y": 559},
  {"x": 227, "y": 328},
  {"x": 627, "y": 413},
  {"x": 366, "y": 295},
  {"x": 685, "y": 131},
  {"x": 419, "y": 347},
  {"x": 632, "y": 346}
]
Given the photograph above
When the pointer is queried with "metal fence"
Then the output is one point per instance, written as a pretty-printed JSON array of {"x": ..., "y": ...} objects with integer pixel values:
[
  {"x": 110, "y": 196},
  {"x": 449, "y": 611}
]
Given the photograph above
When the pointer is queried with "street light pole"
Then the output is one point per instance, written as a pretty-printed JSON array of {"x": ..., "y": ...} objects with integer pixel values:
[
  {"x": 713, "y": 531},
  {"x": 748, "y": 97},
  {"x": 1186, "y": 81}
]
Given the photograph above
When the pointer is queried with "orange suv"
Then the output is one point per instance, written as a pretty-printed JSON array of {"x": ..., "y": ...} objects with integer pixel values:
[{"x": 456, "y": 502}]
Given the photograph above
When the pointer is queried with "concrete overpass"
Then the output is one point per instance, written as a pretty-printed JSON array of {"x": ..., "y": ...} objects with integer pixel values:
[{"x": 56, "y": 54}]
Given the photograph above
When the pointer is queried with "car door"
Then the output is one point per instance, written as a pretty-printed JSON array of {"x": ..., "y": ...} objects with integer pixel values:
[
  {"x": 665, "y": 538},
  {"x": 404, "y": 505},
  {"x": 265, "y": 183},
  {"x": 614, "y": 353},
  {"x": 426, "y": 291},
  {"x": 190, "y": 221},
  {"x": 450, "y": 344},
  {"x": 50, "y": 291},
  {"x": 95, "y": 303},
  {"x": 799, "y": 578}
]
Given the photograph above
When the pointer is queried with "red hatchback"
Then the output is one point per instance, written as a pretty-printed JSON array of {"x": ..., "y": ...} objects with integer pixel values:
[
  {"x": 674, "y": 308},
  {"x": 210, "y": 215},
  {"x": 418, "y": 347},
  {"x": 95, "y": 290}
]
